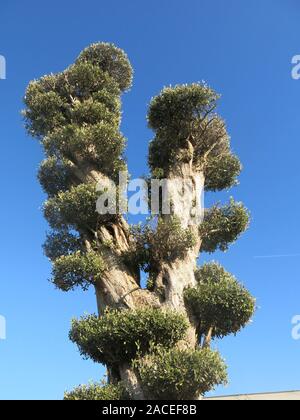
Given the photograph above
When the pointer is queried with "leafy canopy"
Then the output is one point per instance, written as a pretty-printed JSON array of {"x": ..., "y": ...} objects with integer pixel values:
[
  {"x": 219, "y": 302},
  {"x": 187, "y": 130},
  {"x": 55, "y": 175},
  {"x": 174, "y": 374},
  {"x": 97, "y": 392},
  {"x": 75, "y": 208},
  {"x": 77, "y": 269},
  {"x": 77, "y": 113},
  {"x": 164, "y": 241},
  {"x": 62, "y": 243},
  {"x": 222, "y": 226},
  {"x": 110, "y": 59},
  {"x": 118, "y": 336}
]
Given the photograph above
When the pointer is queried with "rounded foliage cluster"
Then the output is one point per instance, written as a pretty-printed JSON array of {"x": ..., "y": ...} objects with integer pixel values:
[
  {"x": 110, "y": 59},
  {"x": 97, "y": 392},
  {"x": 55, "y": 175},
  {"x": 174, "y": 374},
  {"x": 61, "y": 243},
  {"x": 222, "y": 226},
  {"x": 119, "y": 336},
  {"x": 221, "y": 172},
  {"x": 54, "y": 101},
  {"x": 176, "y": 115},
  {"x": 77, "y": 113},
  {"x": 75, "y": 208},
  {"x": 177, "y": 107},
  {"x": 219, "y": 302},
  {"x": 164, "y": 242},
  {"x": 101, "y": 144},
  {"x": 78, "y": 269},
  {"x": 187, "y": 130}
]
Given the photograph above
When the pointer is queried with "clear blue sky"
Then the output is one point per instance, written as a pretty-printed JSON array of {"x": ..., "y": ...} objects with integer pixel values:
[{"x": 243, "y": 50}]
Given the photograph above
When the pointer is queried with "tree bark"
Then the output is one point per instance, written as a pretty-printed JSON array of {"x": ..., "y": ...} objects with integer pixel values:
[
  {"x": 119, "y": 286},
  {"x": 174, "y": 277}
]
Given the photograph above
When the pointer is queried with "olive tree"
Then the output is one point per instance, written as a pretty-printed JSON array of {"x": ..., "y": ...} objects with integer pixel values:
[{"x": 155, "y": 341}]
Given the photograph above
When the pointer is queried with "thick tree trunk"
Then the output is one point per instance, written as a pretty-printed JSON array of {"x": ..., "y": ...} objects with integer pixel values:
[
  {"x": 174, "y": 277},
  {"x": 132, "y": 383},
  {"x": 119, "y": 286}
]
